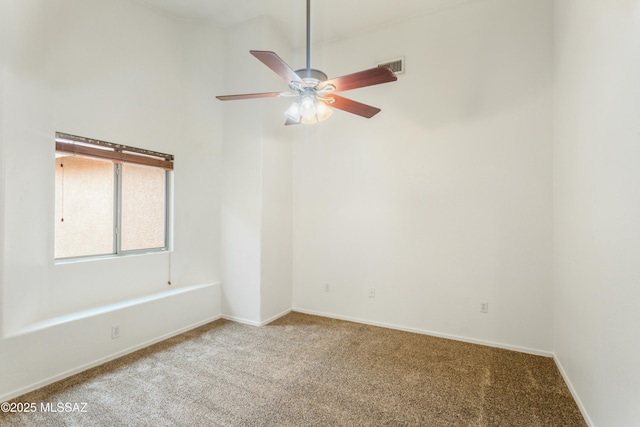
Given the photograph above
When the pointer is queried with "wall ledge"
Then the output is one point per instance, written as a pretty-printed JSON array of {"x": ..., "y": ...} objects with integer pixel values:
[{"x": 83, "y": 314}]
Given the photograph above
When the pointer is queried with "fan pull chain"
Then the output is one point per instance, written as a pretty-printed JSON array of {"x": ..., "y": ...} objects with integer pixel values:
[
  {"x": 169, "y": 273},
  {"x": 62, "y": 193}
]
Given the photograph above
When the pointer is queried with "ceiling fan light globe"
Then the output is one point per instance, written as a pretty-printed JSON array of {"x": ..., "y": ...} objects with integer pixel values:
[
  {"x": 308, "y": 107},
  {"x": 323, "y": 112},
  {"x": 293, "y": 112}
]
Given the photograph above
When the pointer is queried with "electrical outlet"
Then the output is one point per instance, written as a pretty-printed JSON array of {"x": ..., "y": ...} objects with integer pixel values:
[
  {"x": 484, "y": 307},
  {"x": 372, "y": 293},
  {"x": 115, "y": 331},
  {"x": 327, "y": 288}
]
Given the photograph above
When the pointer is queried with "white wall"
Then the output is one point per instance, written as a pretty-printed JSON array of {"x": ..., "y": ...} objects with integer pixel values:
[
  {"x": 85, "y": 67},
  {"x": 597, "y": 206},
  {"x": 2, "y": 157},
  {"x": 445, "y": 198},
  {"x": 277, "y": 211},
  {"x": 256, "y": 202},
  {"x": 241, "y": 200}
]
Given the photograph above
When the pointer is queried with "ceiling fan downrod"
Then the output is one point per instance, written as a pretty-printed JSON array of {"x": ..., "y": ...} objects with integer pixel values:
[
  {"x": 308, "y": 36},
  {"x": 310, "y": 76}
]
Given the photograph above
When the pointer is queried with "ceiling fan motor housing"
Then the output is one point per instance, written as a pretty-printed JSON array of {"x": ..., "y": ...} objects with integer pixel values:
[{"x": 311, "y": 73}]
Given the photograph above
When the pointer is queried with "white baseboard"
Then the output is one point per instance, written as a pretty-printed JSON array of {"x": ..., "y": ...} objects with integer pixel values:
[
  {"x": 276, "y": 317},
  {"x": 240, "y": 320},
  {"x": 430, "y": 333},
  {"x": 253, "y": 322},
  {"x": 567, "y": 381},
  {"x": 19, "y": 392}
]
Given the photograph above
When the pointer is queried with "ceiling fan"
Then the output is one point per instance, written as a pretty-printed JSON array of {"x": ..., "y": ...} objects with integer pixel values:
[{"x": 314, "y": 93}]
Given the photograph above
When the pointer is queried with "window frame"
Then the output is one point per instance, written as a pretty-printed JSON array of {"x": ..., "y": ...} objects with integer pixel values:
[{"x": 118, "y": 154}]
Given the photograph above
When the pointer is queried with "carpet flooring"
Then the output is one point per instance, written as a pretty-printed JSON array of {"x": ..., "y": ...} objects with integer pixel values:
[{"x": 304, "y": 370}]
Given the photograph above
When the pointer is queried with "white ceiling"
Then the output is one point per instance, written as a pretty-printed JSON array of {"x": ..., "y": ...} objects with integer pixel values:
[{"x": 330, "y": 18}]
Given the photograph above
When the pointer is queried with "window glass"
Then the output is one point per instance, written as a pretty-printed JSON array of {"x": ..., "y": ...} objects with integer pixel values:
[
  {"x": 143, "y": 207},
  {"x": 84, "y": 206}
]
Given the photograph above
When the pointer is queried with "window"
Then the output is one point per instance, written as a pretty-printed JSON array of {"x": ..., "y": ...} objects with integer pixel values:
[{"x": 109, "y": 199}]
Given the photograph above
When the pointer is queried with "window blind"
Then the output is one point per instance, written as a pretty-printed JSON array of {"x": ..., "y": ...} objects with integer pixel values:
[{"x": 82, "y": 146}]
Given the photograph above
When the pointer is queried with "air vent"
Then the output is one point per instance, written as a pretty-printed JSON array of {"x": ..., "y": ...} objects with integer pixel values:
[{"x": 396, "y": 65}]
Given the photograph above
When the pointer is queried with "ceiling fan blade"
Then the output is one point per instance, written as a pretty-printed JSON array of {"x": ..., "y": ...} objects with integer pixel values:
[
  {"x": 353, "y": 107},
  {"x": 248, "y": 96},
  {"x": 290, "y": 122},
  {"x": 370, "y": 77},
  {"x": 273, "y": 61}
]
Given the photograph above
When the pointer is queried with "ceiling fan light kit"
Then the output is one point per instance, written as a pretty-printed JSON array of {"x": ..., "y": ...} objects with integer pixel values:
[
  {"x": 314, "y": 91},
  {"x": 308, "y": 111}
]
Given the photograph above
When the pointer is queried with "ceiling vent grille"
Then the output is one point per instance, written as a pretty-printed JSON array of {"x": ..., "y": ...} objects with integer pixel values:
[{"x": 396, "y": 65}]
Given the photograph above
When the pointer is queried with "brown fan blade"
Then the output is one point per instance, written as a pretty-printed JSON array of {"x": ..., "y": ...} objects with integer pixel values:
[
  {"x": 353, "y": 107},
  {"x": 248, "y": 96},
  {"x": 370, "y": 77},
  {"x": 273, "y": 61}
]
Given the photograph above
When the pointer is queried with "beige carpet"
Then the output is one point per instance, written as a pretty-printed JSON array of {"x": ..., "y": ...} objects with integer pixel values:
[{"x": 304, "y": 370}]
